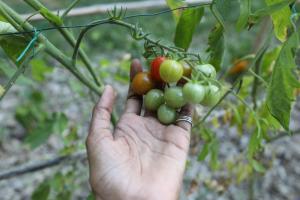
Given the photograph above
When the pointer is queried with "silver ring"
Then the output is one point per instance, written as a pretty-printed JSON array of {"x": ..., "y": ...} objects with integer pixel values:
[{"x": 187, "y": 119}]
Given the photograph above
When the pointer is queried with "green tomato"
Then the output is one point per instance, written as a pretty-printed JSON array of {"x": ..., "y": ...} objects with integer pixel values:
[
  {"x": 213, "y": 95},
  {"x": 208, "y": 70},
  {"x": 166, "y": 115},
  {"x": 174, "y": 97},
  {"x": 171, "y": 71},
  {"x": 194, "y": 92},
  {"x": 153, "y": 99}
]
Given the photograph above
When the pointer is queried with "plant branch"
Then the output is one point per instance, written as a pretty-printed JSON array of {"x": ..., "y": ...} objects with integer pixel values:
[
  {"x": 143, "y": 36},
  {"x": 25, "y": 169},
  {"x": 70, "y": 39},
  {"x": 71, "y": 6},
  {"x": 16, "y": 75},
  {"x": 54, "y": 52}
]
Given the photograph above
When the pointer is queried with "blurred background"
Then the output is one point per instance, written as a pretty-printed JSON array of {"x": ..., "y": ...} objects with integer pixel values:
[{"x": 45, "y": 115}]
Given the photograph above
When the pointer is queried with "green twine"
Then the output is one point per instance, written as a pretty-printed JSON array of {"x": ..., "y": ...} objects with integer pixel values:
[{"x": 29, "y": 46}]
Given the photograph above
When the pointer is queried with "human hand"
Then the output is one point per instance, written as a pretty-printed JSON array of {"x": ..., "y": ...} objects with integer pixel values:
[{"x": 141, "y": 159}]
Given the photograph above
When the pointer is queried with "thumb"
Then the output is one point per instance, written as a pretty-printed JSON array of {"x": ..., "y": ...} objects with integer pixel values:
[{"x": 100, "y": 124}]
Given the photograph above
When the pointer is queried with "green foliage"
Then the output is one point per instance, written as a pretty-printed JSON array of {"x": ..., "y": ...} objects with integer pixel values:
[
  {"x": 41, "y": 192},
  {"x": 281, "y": 20},
  {"x": 186, "y": 26},
  {"x": 39, "y": 69},
  {"x": 38, "y": 123},
  {"x": 211, "y": 147},
  {"x": 245, "y": 11},
  {"x": 13, "y": 45},
  {"x": 173, "y": 4},
  {"x": 283, "y": 83},
  {"x": 216, "y": 46}
]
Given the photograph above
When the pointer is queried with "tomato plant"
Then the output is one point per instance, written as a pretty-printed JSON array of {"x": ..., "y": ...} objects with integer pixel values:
[{"x": 258, "y": 103}]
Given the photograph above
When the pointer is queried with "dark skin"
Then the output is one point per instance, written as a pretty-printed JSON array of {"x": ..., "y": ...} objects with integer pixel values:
[{"x": 140, "y": 159}]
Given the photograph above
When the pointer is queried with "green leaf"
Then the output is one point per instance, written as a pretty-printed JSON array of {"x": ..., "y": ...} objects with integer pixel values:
[
  {"x": 51, "y": 17},
  {"x": 283, "y": 82},
  {"x": 40, "y": 135},
  {"x": 216, "y": 12},
  {"x": 269, "y": 60},
  {"x": 13, "y": 45},
  {"x": 216, "y": 45},
  {"x": 254, "y": 144},
  {"x": 186, "y": 27},
  {"x": 257, "y": 166},
  {"x": 39, "y": 69},
  {"x": 214, "y": 163},
  {"x": 204, "y": 152},
  {"x": 41, "y": 192},
  {"x": 281, "y": 19},
  {"x": 173, "y": 4},
  {"x": 245, "y": 11},
  {"x": 269, "y": 10},
  {"x": 60, "y": 121}
]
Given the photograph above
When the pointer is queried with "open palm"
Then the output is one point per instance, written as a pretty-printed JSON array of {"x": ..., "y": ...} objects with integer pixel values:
[{"x": 141, "y": 158}]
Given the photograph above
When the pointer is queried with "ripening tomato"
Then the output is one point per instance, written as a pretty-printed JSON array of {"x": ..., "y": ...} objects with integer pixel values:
[
  {"x": 142, "y": 83},
  {"x": 213, "y": 95},
  {"x": 174, "y": 97},
  {"x": 155, "y": 66},
  {"x": 171, "y": 71},
  {"x": 208, "y": 70},
  {"x": 194, "y": 92},
  {"x": 153, "y": 99},
  {"x": 238, "y": 67},
  {"x": 166, "y": 115},
  {"x": 187, "y": 70}
]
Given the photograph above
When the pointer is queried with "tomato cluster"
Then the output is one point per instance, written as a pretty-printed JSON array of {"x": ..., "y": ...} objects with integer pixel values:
[{"x": 171, "y": 84}]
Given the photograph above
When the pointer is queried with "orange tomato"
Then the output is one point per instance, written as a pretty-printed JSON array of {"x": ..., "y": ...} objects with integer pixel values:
[
  {"x": 238, "y": 67},
  {"x": 142, "y": 83}
]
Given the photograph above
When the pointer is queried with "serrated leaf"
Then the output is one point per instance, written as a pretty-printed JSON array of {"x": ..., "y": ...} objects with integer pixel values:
[
  {"x": 216, "y": 45},
  {"x": 41, "y": 192},
  {"x": 281, "y": 20},
  {"x": 280, "y": 94},
  {"x": 186, "y": 27},
  {"x": 173, "y": 4},
  {"x": 51, "y": 17},
  {"x": 245, "y": 9},
  {"x": 13, "y": 45}
]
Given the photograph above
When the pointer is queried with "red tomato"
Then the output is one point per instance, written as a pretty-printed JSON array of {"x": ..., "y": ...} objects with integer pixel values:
[
  {"x": 142, "y": 83},
  {"x": 155, "y": 65}
]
